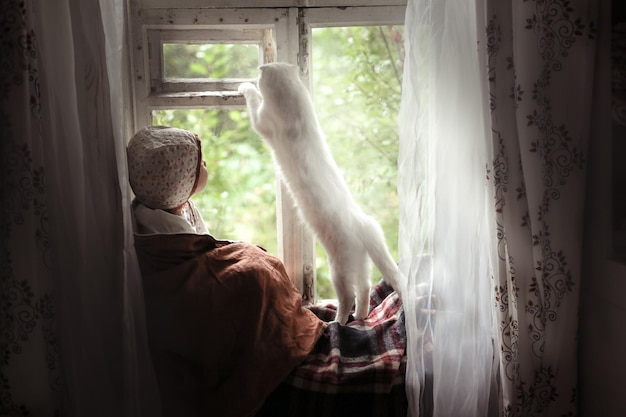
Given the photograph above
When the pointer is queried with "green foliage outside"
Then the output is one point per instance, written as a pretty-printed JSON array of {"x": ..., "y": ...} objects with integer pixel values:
[
  {"x": 210, "y": 60},
  {"x": 356, "y": 88}
]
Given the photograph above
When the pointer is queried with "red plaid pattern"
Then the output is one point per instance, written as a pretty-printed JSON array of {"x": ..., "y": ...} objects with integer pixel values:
[{"x": 354, "y": 370}]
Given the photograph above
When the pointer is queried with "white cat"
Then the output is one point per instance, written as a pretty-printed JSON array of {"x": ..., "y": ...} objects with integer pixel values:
[{"x": 282, "y": 112}]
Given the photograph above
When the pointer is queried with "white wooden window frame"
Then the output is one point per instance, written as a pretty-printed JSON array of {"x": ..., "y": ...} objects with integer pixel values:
[
  {"x": 157, "y": 37},
  {"x": 282, "y": 33}
]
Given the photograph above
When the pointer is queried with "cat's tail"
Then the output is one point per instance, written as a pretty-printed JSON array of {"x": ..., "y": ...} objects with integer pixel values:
[{"x": 373, "y": 239}]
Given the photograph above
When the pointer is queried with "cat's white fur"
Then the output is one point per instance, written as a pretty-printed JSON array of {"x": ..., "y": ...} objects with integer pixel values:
[{"x": 282, "y": 112}]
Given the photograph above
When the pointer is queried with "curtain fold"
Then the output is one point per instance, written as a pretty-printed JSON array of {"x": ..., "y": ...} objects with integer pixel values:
[
  {"x": 445, "y": 232},
  {"x": 494, "y": 128},
  {"x": 74, "y": 309},
  {"x": 140, "y": 390}
]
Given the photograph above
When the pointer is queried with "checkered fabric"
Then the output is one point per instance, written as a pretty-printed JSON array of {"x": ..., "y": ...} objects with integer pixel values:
[{"x": 354, "y": 370}]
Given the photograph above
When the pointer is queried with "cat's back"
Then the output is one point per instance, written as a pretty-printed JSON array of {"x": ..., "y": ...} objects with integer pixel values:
[
  {"x": 299, "y": 144},
  {"x": 299, "y": 140}
]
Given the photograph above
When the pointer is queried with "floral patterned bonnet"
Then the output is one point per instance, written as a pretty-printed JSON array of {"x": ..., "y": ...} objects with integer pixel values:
[{"x": 163, "y": 166}]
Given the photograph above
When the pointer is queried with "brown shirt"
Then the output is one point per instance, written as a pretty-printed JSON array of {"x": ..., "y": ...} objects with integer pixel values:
[{"x": 225, "y": 323}]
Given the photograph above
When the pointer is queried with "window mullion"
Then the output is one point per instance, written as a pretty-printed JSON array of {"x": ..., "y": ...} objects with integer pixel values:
[{"x": 297, "y": 244}]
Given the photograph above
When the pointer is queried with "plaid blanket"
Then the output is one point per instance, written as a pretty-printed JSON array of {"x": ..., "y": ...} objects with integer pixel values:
[{"x": 354, "y": 370}]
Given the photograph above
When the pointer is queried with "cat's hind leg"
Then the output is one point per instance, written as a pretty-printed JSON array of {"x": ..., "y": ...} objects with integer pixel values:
[
  {"x": 340, "y": 261},
  {"x": 345, "y": 296},
  {"x": 350, "y": 274},
  {"x": 361, "y": 281},
  {"x": 362, "y": 302},
  {"x": 373, "y": 239}
]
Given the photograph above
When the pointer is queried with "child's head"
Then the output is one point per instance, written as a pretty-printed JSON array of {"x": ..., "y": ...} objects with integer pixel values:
[{"x": 165, "y": 166}]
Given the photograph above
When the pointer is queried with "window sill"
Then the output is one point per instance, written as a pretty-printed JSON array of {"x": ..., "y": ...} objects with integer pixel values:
[{"x": 205, "y": 99}]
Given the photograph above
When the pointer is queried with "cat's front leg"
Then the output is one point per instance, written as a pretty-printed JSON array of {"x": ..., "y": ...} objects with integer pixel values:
[
  {"x": 252, "y": 95},
  {"x": 254, "y": 101}
]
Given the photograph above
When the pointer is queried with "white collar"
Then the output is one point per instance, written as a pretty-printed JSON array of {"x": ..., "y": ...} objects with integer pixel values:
[{"x": 156, "y": 221}]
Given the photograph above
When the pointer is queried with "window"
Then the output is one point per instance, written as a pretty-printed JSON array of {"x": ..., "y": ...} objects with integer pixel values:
[{"x": 188, "y": 63}]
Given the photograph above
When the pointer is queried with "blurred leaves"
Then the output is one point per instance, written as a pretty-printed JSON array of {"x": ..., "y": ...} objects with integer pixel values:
[{"x": 214, "y": 60}]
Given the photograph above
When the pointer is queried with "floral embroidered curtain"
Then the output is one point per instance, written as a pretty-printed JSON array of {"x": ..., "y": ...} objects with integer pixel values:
[
  {"x": 499, "y": 92},
  {"x": 71, "y": 316},
  {"x": 541, "y": 68}
]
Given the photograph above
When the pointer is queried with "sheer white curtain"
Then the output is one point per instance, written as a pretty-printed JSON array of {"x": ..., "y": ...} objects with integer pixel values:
[
  {"x": 72, "y": 317},
  {"x": 494, "y": 124},
  {"x": 446, "y": 222}
]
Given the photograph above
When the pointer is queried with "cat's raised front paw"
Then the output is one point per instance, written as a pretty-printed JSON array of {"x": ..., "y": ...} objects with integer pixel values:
[{"x": 247, "y": 89}]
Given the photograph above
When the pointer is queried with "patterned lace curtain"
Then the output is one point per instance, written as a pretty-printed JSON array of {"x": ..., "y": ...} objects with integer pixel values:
[
  {"x": 71, "y": 312},
  {"x": 494, "y": 131},
  {"x": 541, "y": 69}
]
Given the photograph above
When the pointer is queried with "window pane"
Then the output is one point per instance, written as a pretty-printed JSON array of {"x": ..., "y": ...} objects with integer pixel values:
[
  {"x": 187, "y": 60},
  {"x": 357, "y": 88},
  {"x": 239, "y": 201}
]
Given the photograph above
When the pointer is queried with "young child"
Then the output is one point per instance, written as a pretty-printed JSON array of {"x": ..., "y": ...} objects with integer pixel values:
[
  {"x": 165, "y": 169},
  {"x": 225, "y": 323}
]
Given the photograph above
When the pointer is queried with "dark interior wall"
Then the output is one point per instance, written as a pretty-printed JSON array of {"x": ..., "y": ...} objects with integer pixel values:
[
  {"x": 602, "y": 363},
  {"x": 618, "y": 84}
]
